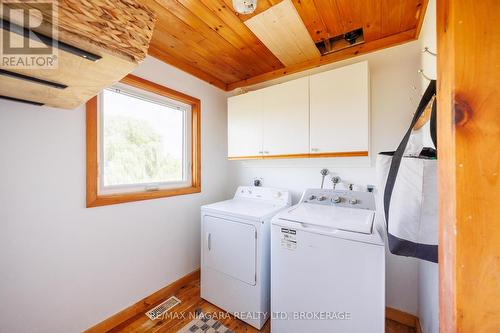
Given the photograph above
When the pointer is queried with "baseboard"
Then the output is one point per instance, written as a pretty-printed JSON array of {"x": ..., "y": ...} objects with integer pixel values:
[
  {"x": 402, "y": 317},
  {"x": 418, "y": 329},
  {"x": 143, "y": 305}
]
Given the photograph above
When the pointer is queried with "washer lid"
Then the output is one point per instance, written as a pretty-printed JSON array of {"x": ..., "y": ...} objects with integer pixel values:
[
  {"x": 348, "y": 219},
  {"x": 244, "y": 208}
]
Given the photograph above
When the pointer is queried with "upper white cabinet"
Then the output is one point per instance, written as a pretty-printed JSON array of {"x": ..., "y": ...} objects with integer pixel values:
[
  {"x": 286, "y": 118},
  {"x": 323, "y": 115},
  {"x": 244, "y": 125},
  {"x": 339, "y": 110}
]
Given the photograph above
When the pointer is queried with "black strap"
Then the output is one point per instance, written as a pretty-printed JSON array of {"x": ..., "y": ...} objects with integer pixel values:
[
  {"x": 433, "y": 124},
  {"x": 396, "y": 162}
]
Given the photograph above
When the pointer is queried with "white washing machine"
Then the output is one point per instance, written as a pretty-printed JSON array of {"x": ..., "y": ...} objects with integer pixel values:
[
  {"x": 235, "y": 258},
  {"x": 328, "y": 265}
]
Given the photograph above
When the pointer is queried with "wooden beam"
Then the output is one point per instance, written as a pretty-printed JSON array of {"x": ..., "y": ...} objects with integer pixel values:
[
  {"x": 354, "y": 51},
  {"x": 468, "y": 40}
]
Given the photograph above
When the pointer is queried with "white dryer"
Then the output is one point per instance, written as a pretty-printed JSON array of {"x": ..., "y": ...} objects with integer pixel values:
[
  {"x": 328, "y": 265},
  {"x": 235, "y": 258}
]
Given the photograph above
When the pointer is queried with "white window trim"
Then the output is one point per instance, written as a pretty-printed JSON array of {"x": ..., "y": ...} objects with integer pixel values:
[{"x": 149, "y": 186}]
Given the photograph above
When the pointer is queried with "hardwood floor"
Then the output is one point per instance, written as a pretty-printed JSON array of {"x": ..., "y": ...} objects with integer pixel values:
[{"x": 182, "y": 314}]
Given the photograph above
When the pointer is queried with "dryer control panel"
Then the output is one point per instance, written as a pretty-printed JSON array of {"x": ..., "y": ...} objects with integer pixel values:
[
  {"x": 340, "y": 198},
  {"x": 273, "y": 195}
]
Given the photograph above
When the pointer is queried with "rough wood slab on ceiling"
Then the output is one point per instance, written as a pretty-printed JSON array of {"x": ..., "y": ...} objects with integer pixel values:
[
  {"x": 117, "y": 31},
  {"x": 122, "y": 27}
]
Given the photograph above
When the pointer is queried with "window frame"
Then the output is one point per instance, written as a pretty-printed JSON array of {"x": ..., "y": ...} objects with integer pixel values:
[
  {"x": 141, "y": 94},
  {"x": 94, "y": 198}
]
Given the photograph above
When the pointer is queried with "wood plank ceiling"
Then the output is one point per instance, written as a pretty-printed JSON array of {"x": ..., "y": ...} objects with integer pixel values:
[{"x": 208, "y": 39}]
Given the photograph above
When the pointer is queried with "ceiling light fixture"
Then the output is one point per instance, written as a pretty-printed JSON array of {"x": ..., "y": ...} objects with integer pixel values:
[{"x": 245, "y": 6}]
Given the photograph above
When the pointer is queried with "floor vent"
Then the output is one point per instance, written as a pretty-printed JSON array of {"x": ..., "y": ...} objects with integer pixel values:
[{"x": 160, "y": 309}]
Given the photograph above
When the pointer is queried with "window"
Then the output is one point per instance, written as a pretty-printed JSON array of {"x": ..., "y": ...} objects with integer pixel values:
[{"x": 143, "y": 142}]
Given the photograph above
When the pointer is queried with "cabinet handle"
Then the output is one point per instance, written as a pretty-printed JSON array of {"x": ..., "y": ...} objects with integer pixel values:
[
  {"x": 266, "y": 152},
  {"x": 314, "y": 149},
  {"x": 209, "y": 241},
  {"x": 261, "y": 152}
]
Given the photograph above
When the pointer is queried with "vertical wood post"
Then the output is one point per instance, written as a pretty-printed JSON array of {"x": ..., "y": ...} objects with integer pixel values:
[{"x": 469, "y": 163}]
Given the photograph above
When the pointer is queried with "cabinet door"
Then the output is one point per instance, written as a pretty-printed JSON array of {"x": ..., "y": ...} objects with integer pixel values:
[
  {"x": 286, "y": 118},
  {"x": 339, "y": 101},
  {"x": 244, "y": 125}
]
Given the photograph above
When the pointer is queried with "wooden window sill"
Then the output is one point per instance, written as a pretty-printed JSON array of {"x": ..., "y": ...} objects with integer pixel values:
[{"x": 112, "y": 199}]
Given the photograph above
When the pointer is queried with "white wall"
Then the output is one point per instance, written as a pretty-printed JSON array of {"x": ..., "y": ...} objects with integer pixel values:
[
  {"x": 428, "y": 311},
  {"x": 65, "y": 267},
  {"x": 394, "y": 97}
]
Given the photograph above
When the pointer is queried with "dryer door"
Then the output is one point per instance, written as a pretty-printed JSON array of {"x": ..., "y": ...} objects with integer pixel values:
[{"x": 230, "y": 248}]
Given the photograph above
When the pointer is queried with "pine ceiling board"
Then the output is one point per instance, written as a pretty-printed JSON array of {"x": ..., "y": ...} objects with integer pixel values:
[
  {"x": 228, "y": 32},
  {"x": 266, "y": 36},
  {"x": 173, "y": 26},
  {"x": 293, "y": 24},
  {"x": 198, "y": 56},
  {"x": 192, "y": 45},
  {"x": 228, "y": 16},
  {"x": 281, "y": 29},
  {"x": 372, "y": 20},
  {"x": 331, "y": 16},
  {"x": 312, "y": 19},
  {"x": 410, "y": 14},
  {"x": 399, "y": 15},
  {"x": 228, "y": 52},
  {"x": 218, "y": 26},
  {"x": 218, "y": 46},
  {"x": 363, "y": 14},
  {"x": 351, "y": 13}
]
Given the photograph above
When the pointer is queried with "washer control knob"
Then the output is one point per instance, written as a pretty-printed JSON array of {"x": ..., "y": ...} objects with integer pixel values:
[
  {"x": 322, "y": 198},
  {"x": 353, "y": 201},
  {"x": 278, "y": 195},
  {"x": 336, "y": 199},
  {"x": 312, "y": 197}
]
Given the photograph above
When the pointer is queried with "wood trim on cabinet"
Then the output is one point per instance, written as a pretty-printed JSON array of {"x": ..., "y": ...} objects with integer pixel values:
[
  {"x": 93, "y": 198},
  {"x": 274, "y": 157},
  {"x": 310, "y": 155},
  {"x": 340, "y": 154},
  {"x": 143, "y": 305},
  {"x": 239, "y": 158}
]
